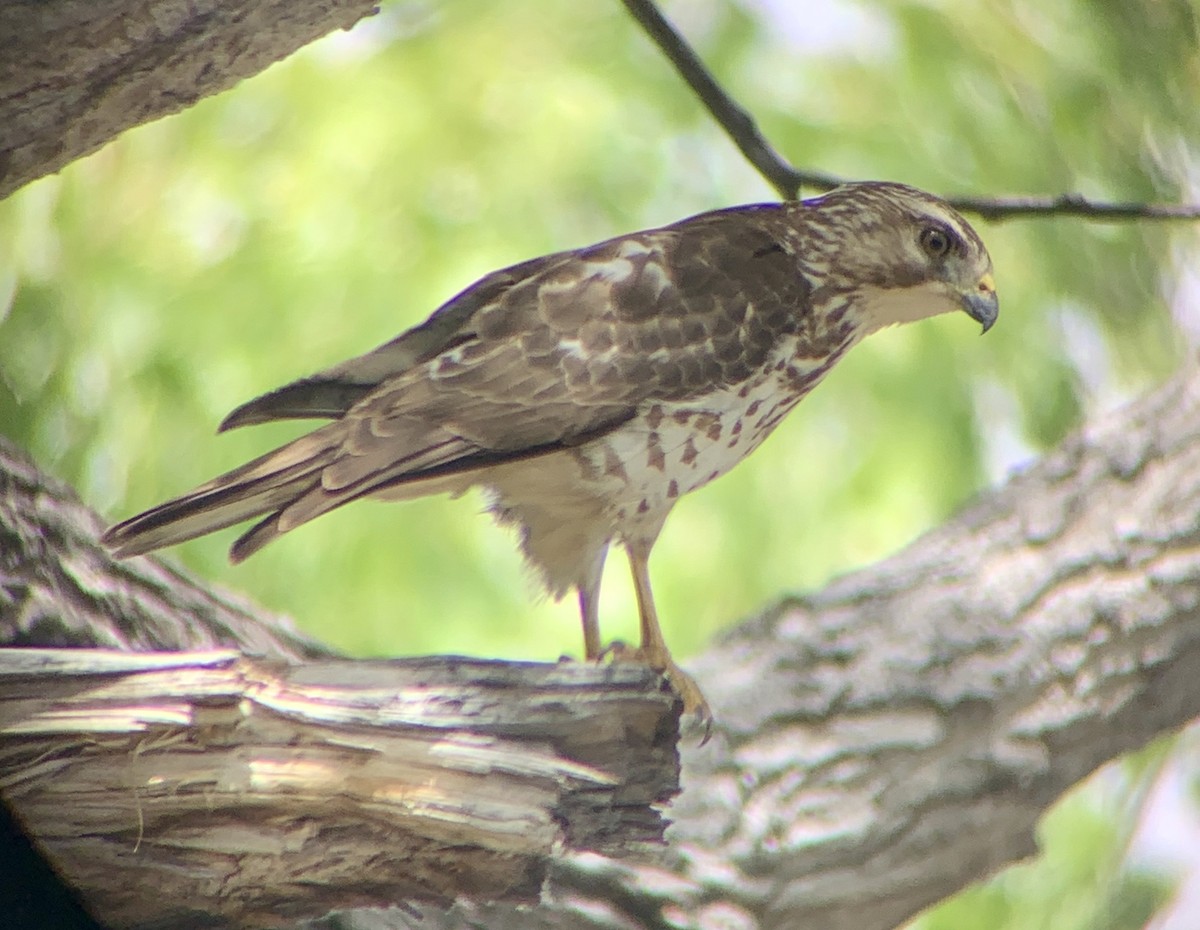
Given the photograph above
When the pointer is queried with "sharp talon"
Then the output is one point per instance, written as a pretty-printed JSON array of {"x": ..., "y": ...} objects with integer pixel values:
[
  {"x": 695, "y": 706},
  {"x": 702, "y": 717},
  {"x": 620, "y": 651}
]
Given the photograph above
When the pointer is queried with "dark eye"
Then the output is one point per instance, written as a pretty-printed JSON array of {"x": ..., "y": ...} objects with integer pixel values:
[{"x": 935, "y": 241}]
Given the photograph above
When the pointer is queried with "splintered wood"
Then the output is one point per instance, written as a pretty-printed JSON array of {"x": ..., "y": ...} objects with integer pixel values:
[{"x": 256, "y": 793}]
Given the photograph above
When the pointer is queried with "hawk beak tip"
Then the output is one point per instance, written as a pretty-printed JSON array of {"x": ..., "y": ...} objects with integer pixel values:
[{"x": 981, "y": 304}]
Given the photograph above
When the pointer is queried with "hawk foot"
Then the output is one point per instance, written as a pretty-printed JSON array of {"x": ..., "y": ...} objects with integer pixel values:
[{"x": 695, "y": 706}]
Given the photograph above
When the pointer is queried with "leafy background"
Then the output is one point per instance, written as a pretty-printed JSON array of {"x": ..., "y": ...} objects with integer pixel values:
[{"x": 323, "y": 206}]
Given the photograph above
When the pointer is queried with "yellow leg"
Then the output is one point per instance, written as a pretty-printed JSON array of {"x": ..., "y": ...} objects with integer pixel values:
[
  {"x": 589, "y": 605},
  {"x": 589, "y": 615},
  {"x": 653, "y": 650}
]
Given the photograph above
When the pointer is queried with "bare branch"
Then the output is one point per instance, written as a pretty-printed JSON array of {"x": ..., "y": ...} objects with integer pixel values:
[
  {"x": 1003, "y": 208},
  {"x": 736, "y": 121},
  {"x": 788, "y": 180}
]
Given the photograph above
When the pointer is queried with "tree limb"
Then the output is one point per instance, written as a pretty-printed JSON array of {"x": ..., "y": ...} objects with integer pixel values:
[
  {"x": 895, "y": 737},
  {"x": 170, "y": 786},
  {"x": 788, "y": 180},
  {"x": 885, "y": 742},
  {"x": 75, "y": 74},
  {"x": 58, "y": 589},
  {"x": 898, "y": 735}
]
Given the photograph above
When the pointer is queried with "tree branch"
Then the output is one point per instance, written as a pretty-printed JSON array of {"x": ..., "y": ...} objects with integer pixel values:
[
  {"x": 1005, "y": 208},
  {"x": 259, "y": 793},
  {"x": 733, "y": 118},
  {"x": 895, "y": 737},
  {"x": 788, "y": 180},
  {"x": 75, "y": 73},
  {"x": 887, "y": 741},
  {"x": 58, "y": 589}
]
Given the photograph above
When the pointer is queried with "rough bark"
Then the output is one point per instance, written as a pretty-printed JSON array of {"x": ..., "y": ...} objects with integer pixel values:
[
  {"x": 895, "y": 737},
  {"x": 76, "y": 73},
  {"x": 57, "y": 588},
  {"x": 175, "y": 789}
]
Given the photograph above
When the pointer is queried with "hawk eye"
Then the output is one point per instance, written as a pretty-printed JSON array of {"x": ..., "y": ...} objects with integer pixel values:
[{"x": 935, "y": 241}]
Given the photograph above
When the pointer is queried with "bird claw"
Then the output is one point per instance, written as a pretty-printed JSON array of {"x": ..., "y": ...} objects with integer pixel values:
[{"x": 695, "y": 706}]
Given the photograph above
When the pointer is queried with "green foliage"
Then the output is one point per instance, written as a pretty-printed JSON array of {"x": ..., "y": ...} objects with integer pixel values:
[{"x": 321, "y": 207}]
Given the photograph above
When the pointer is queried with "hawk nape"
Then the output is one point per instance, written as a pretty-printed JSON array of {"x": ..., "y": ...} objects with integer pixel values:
[{"x": 589, "y": 390}]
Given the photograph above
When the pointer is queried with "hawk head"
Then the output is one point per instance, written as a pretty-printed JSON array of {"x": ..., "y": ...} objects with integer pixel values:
[{"x": 903, "y": 254}]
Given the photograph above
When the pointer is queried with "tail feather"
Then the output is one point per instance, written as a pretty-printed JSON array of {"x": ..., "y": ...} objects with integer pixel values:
[
  {"x": 267, "y": 484},
  {"x": 308, "y": 398},
  {"x": 309, "y": 501},
  {"x": 263, "y": 532},
  {"x": 289, "y": 486},
  {"x": 388, "y": 458}
]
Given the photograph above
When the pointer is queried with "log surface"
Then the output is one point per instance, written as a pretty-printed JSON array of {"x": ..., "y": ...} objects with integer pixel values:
[{"x": 180, "y": 788}]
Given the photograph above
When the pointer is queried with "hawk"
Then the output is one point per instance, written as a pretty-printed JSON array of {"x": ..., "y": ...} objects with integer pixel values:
[{"x": 589, "y": 390}]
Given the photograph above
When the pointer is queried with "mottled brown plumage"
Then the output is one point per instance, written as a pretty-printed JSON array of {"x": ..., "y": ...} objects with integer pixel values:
[{"x": 590, "y": 389}]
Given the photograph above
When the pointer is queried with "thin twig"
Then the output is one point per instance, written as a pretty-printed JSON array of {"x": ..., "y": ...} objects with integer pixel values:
[
  {"x": 788, "y": 180},
  {"x": 1004, "y": 208},
  {"x": 733, "y": 118}
]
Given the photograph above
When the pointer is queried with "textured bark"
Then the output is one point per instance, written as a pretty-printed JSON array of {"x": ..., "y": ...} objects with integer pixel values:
[
  {"x": 57, "y": 588},
  {"x": 179, "y": 788},
  {"x": 76, "y": 73},
  {"x": 897, "y": 736},
  {"x": 883, "y": 743}
]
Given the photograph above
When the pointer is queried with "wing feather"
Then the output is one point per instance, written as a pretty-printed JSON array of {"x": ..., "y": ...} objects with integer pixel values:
[{"x": 330, "y": 393}]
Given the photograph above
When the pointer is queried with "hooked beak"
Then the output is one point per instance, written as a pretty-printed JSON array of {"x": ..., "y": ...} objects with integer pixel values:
[{"x": 981, "y": 303}]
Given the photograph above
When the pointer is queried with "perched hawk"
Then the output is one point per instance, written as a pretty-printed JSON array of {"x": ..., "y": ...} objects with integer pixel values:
[{"x": 589, "y": 390}]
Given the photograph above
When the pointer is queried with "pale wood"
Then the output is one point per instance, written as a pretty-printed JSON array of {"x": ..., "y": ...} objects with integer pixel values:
[{"x": 171, "y": 785}]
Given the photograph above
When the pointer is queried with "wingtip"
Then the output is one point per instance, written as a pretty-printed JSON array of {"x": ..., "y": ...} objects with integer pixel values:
[
  {"x": 110, "y": 539},
  {"x": 319, "y": 397},
  {"x": 239, "y": 416}
]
